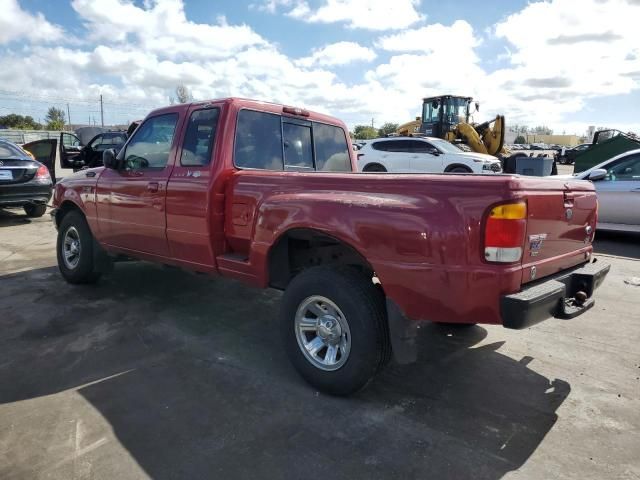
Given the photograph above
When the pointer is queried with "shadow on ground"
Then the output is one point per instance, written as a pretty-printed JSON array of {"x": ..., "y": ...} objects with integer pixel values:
[
  {"x": 189, "y": 374},
  {"x": 619, "y": 244},
  {"x": 11, "y": 217}
]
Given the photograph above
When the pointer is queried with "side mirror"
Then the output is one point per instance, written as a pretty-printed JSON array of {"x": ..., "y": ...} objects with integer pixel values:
[
  {"x": 109, "y": 159},
  {"x": 597, "y": 174},
  {"x": 433, "y": 151}
]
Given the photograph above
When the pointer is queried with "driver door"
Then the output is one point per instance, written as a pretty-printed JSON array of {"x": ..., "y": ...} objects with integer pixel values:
[
  {"x": 619, "y": 192},
  {"x": 132, "y": 199},
  {"x": 70, "y": 147}
]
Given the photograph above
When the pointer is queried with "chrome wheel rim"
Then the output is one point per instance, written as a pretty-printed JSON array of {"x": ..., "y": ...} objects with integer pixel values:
[
  {"x": 323, "y": 333},
  {"x": 71, "y": 248}
]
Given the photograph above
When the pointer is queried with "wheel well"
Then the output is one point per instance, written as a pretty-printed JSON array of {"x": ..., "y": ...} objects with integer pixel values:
[
  {"x": 457, "y": 165},
  {"x": 64, "y": 209},
  {"x": 368, "y": 167},
  {"x": 299, "y": 249}
]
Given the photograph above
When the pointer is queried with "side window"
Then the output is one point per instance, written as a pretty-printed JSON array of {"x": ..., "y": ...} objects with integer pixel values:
[
  {"x": 151, "y": 143},
  {"x": 199, "y": 138},
  {"x": 298, "y": 151},
  {"x": 420, "y": 147},
  {"x": 96, "y": 143},
  {"x": 400, "y": 146},
  {"x": 332, "y": 152},
  {"x": 258, "y": 141},
  {"x": 70, "y": 140},
  {"x": 385, "y": 146},
  {"x": 625, "y": 170}
]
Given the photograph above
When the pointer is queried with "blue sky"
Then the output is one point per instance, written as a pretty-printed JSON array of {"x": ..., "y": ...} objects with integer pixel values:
[{"x": 562, "y": 63}]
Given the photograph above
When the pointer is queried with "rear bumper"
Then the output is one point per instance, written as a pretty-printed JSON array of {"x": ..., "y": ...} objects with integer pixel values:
[
  {"x": 24, "y": 194},
  {"x": 554, "y": 296}
]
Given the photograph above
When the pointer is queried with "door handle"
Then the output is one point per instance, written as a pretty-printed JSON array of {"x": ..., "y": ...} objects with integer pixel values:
[{"x": 153, "y": 186}]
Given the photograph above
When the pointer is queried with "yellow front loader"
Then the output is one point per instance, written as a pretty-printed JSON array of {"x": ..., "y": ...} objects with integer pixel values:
[{"x": 447, "y": 117}]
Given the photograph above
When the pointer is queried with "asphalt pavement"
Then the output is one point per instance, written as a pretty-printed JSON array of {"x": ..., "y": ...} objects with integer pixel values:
[{"x": 157, "y": 373}]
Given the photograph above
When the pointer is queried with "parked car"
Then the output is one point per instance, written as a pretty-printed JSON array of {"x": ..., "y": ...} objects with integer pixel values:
[
  {"x": 570, "y": 154},
  {"x": 24, "y": 182},
  {"x": 422, "y": 155},
  {"x": 617, "y": 182},
  {"x": 267, "y": 194},
  {"x": 67, "y": 154}
]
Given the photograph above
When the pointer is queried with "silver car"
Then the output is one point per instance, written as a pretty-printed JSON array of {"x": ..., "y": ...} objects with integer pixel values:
[{"x": 617, "y": 182}]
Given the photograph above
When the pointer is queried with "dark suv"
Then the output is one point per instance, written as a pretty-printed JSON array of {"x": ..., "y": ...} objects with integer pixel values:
[{"x": 23, "y": 181}]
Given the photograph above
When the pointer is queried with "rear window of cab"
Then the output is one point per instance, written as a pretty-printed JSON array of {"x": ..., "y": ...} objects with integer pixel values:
[{"x": 269, "y": 141}]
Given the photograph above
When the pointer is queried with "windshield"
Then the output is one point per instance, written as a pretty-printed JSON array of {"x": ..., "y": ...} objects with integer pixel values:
[
  {"x": 455, "y": 110},
  {"x": 445, "y": 146}
]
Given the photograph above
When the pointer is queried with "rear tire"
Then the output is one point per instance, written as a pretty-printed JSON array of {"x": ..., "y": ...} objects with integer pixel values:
[
  {"x": 374, "y": 168},
  {"x": 75, "y": 250},
  {"x": 333, "y": 324},
  {"x": 35, "y": 210}
]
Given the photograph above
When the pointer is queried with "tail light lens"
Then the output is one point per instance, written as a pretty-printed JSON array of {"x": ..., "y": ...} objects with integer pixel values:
[
  {"x": 504, "y": 233},
  {"x": 42, "y": 174}
]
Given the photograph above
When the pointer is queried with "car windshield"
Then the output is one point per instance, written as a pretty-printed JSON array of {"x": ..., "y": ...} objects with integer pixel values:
[{"x": 445, "y": 146}]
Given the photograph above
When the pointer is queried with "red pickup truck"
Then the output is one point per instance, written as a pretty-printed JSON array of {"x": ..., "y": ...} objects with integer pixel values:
[{"x": 269, "y": 195}]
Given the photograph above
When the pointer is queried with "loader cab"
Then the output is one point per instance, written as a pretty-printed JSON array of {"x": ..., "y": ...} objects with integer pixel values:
[{"x": 440, "y": 114}]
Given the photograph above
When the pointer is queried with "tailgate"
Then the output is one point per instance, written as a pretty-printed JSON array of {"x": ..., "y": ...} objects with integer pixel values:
[{"x": 561, "y": 225}]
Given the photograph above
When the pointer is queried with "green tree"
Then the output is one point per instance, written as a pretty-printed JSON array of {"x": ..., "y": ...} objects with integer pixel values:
[
  {"x": 364, "y": 132},
  {"x": 18, "y": 121},
  {"x": 520, "y": 139},
  {"x": 542, "y": 130},
  {"x": 387, "y": 128},
  {"x": 55, "y": 118}
]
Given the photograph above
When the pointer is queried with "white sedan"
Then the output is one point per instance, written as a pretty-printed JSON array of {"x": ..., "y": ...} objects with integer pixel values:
[
  {"x": 617, "y": 182},
  {"x": 422, "y": 155}
]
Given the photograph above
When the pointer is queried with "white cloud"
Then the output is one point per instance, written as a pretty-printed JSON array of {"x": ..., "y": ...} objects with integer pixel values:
[
  {"x": 365, "y": 14},
  {"x": 340, "y": 53},
  {"x": 581, "y": 52},
  {"x": 558, "y": 58},
  {"x": 17, "y": 24},
  {"x": 163, "y": 28},
  {"x": 458, "y": 38}
]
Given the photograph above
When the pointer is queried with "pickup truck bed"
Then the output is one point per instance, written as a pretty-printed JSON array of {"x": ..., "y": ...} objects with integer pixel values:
[{"x": 363, "y": 258}]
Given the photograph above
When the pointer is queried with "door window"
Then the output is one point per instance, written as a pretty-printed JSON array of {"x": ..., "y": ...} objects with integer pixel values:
[
  {"x": 151, "y": 143},
  {"x": 200, "y": 137},
  {"x": 420, "y": 147},
  {"x": 271, "y": 142},
  {"x": 332, "y": 152},
  {"x": 258, "y": 141},
  {"x": 70, "y": 140},
  {"x": 106, "y": 141},
  {"x": 401, "y": 146},
  {"x": 627, "y": 170},
  {"x": 298, "y": 152}
]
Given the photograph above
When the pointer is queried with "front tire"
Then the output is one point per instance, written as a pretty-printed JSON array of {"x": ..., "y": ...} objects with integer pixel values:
[
  {"x": 459, "y": 170},
  {"x": 35, "y": 210},
  {"x": 333, "y": 323},
  {"x": 75, "y": 250}
]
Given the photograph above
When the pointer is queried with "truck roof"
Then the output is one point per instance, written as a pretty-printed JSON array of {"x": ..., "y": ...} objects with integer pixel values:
[{"x": 259, "y": 105}]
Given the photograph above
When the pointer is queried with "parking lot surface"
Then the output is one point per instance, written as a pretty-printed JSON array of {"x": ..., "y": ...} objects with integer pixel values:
[{"x": 157, "y": 373}]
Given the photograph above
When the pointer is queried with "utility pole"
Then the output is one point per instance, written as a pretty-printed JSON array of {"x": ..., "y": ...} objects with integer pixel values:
[
  {"x": 372, "y": 123},
  {"x": 101, "y": 112},
  {"x": 68, "y": 115}
]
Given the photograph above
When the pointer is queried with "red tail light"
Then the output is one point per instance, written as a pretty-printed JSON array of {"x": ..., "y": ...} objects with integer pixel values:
[
  {"x": 505, "y": 232},
  {"x": 42, "y": 172}
]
